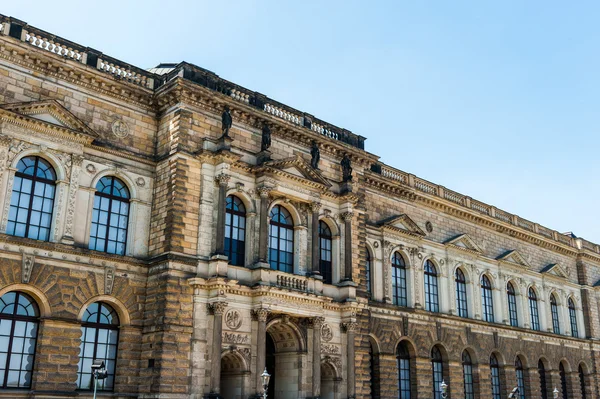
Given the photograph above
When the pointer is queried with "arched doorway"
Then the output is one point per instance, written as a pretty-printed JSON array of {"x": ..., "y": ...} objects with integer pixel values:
[
  {"x": 234, "y": 375},
  {"x": 329, "y": 380},
  {"x": 270, "y": 365}
]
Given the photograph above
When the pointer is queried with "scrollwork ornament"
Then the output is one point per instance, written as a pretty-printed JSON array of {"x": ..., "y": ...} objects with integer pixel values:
[{"x": 222, "y": 179}]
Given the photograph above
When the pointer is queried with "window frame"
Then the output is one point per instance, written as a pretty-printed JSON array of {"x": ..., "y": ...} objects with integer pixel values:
[
  {"x": 533, "y": 309},
  {"x": 232, "y": 201},
  {"x": 487, "y": 299},
  {"x": 582, "y": 382},
  {"x": 110, "y": 213},
  {"x": 399, "y": 280},
  {"x": 554, "y": 313},
  {"x": 437, "y": 370},
  {"x": 404, "y": 369},
  {"x": 462, "y": 308},
  {"x": 573, "y": 318},
  {"x": 513, "y": 313},
  {"x": 495, "y": 377},
  {"x": 432, "y": 302},
  {"x": 520, "y": 375},
  {"x": 368, "y": 267},
  {"x": 563, "y": 380},
  {"x": 468, "y": 379},
  {"x": 543, "y": 382},
  {"x": 279, "y": 227},
  {"x": 325, "y": 266}
]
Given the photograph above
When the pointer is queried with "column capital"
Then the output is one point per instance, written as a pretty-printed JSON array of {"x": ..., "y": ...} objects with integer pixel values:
[
  {"x": 346, "y": 216},
  {"x": 261, "y": 314},
  {"x": 316, "y": 322},
  {"x": 217, "y": 308},
  {"x": 349, "y": 326},
  {"x": 263, "y": 191},
  {"x": 315, "y": 206},
  {"x": 222, "y": 179},
  {"x": 5, "y": 140}
]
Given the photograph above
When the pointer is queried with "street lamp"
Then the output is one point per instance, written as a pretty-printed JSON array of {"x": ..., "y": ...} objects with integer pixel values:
[
  {"x": 444, "y": 389},
  {"x": 98, "y": 373},
  {"x": 514, "y": 393},
  {"x": 555, "y": 392},
  {"x": 265, "y": 380}
]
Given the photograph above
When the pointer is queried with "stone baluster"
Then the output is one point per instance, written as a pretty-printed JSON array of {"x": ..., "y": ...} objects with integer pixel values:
[
  {"x": 317, "y": 323},
  {"x": 263, "y": 243},
  {"x": 350, "y": 329},
  {"x": 347, "y": 216},
  {"x": 222, "y": 180},
  {"x": 261, "y": 316},
  {"x": 315, "y": 269},
  {"x": 217, "y": 308}
]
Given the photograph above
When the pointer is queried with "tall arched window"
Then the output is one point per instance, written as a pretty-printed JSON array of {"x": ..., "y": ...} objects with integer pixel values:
[
  {"x": 32, "y": 200},
  {"x": 495, "y": 376},
  {"x": 542, "y": 374},
  {"x": 468, "y": 375},
  {"x": 18, "y": 335},
  {"x": 520, "y": 377},
  {"x": 399, "y": 295},
  {"x": 235, "y": 230},
  {"x": 582, "y": 382},
  {"x": 573, "y": 318},
  {"x": 281, "y": 240},
  {"x": 512, "y": 305},
  {"x": 325, "y": 252},
  {"x": 110, "y": 216},
  {"x": 437, "y": 369},
  {"x": 533, "y": 310},
  {"x": 461, "y": 293},
  {"x": 404, "y": 373},
  {"x": 563, "y": 381},
  {"x": 554, "y": 311},
  {"x": 486, "y": 299},
  {"x": 368, "y": 272},
  {"x": 99, "y": 338},
  {"x": 431, "y": 288}
]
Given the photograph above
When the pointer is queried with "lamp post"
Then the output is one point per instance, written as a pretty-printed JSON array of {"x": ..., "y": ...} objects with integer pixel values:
[
  {"x": 444, "y": 389},
  {"x": 555, "y": 393},
  {"x": 98, "y": 373},
  {"x": 265, "y": 380},
  {"x": 514, "y": 393}
]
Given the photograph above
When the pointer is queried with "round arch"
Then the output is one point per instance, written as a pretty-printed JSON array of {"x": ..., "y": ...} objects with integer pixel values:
[
  {"x": 545, "y": 362},
  {"x": 329, "y": 370},
  {"x": 375, "y": 344},
  {"x": 463, "y": 269},
  {"x": 118, "y": 306},
  {"x": 565, "y": 362},
  {"x": 584, "y": 366},
  {"x": 233, "y": 360},
  {"x": 443, "y": 351},
  {"x": 48, "y": 156},
  {"x": 245, "y": 198},
  {"x": 554, "y": 292},
  {"x": 290, "y": 208},
  {"x": 523, "y": 359},
  {"x": 410, "y": 345},
  {"x": 402, "y": 251},
  {"x": 490, "y": 278},
  {"x": 38, "y": 296},
  {"x": 331, "y": 223},
  {"x": 281, "y": 330},
  {"x": 131, "y": 186},
  {"x": 499, "y": 356},
  {"x": 435, "y": 264},
  {"x": 472, "y": 352},
  {"x": 535, "y": 289}
]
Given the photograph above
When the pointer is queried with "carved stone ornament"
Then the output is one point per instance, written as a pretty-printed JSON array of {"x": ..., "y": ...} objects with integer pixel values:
[
  {"x": 232, "y": 338},
  {"x": 233, "y": 319},
  {"x": 326, "y": 333},
  {"x": 349, "y": 326},
  {"x": 217, "y": 308},
  {"x": 90, "y": 168},
  {"x": 109, "y": 280},
  {"x": 222, "y": 179},
  {"x": 140, "y": 182},
  {"x": 429, "y": 227},
  {"x": 261, "y": 314},
  {"x": 27, "y": 267},
  {"x": 120, "y": 128}
]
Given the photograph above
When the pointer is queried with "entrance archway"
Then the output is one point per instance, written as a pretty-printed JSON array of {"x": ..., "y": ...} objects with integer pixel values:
[
  {"x": 234, "y": 375},
  {"x": 329, "y": 380}
]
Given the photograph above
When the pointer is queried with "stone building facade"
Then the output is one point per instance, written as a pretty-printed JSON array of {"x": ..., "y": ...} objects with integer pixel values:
[{"x": 191, "y": 232}]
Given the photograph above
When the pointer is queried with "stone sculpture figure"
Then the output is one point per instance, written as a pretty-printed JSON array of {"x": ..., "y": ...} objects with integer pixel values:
[
  {"x": 266, "y": 138},
  {"x": 315, "y": 155},
  {"x": 346, "y": 169},
  {"x": 226, "y": 121}
]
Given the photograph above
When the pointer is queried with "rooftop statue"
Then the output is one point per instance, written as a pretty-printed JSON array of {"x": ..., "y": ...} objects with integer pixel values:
[
  {"x": 226, "y": 121},
  {"x": 315, "y": 155},
  {"x": 266, "y": 138},
  {"x": 346, "y": 169}
]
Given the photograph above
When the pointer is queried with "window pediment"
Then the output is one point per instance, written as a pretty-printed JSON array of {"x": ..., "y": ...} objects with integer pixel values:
[
  {"x": 513, "y": 257},
  {"x": 554, "y": 269},
  {"x": 464, "y": 243},
  {"x": 402, "y": 224},
  {"x": 295, "y": 168}
]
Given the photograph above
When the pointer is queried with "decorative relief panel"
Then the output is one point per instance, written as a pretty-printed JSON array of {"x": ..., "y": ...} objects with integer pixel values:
[
  {"x": 326, "y": 333},
  {"x": 233, "y": 319}
]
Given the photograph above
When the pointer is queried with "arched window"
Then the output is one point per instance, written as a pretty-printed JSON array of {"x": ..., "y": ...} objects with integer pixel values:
[
  {"x": 281, "y": 240},
  {"x": 110, "y": 216},
  {"x": 368, "y": 272},
  {"x": 582, "y": 382},
  {"x": 431, "y": 288},
  {"x": 99, "y": 338},
  {"x": 486, "y": 299},
  {"x": 520, "y": 377},
  {"x": 399, "y": 295},
  {"x": 468, "y": 375},
  {"x": 235, "y": 230},
  {"x": 404, "y": 372},
  {"x": 533, "y": 310},
  {"x": 563, "y": 381},
  {"x": 542, "y": 374},
  {"x": 325, "y": 252},
  {"x": 495, "y": 376},
  {"x": 554, "y": 311},
  {"x": 32, "y": 200},
  {"x": 512, "y": 305},
  {"x": 573, "y": 318},
  {"x": 437, "y": 369},
  {"x": 461, "y": 293},
  {"x": 18, "y": 335}
]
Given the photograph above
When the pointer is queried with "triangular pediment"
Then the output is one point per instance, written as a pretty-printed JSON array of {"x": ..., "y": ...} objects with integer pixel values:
[
  {"x": 52, "y": 112},
  {"x": 554, "y": 269},
  {"x": 513, "y": 257},
  {"x": 465, "y": 243},
  {"x": 402, "y": 223},
  {"x": 295, "y": 167}
]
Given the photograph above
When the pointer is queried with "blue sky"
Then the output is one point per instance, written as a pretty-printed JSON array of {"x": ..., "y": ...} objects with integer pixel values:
[{"x": 496, "y": 100}]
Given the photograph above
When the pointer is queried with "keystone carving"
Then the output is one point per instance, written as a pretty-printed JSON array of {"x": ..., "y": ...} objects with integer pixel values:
[{"x": 27, "y": 267}]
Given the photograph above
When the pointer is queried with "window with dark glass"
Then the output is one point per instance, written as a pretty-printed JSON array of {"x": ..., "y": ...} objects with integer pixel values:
[
  {"x": 573, "y": 318},
  {"x": 461, "y": 293},
  {"x": 372, "y": 374},
  {"x": 512, "y": 305},
  {"x": 542, "y": 374},
  {"x": 281, "y": 240},
  {"x": 431, "y": 288},
  {"x": 563, "y": 381},
  {"x": 533, "y": 310},
  {"x": 582, "y": 382},
  {"x": 325, "y": 252},
  {"x": 437, "y": 369},
  {"x": 403, "y": 359},
  {"x": 554, "y": 311},
  {"x": 495, "y": 377},
  {"x": 235, "y": 230},
  {"x": 110, "y": 216},
  {"x": 468, "y": 375},
  {"x": 520, "y": 378},
  {"x": 32, "y": 200},
  {"x": 487, "y": 299},
  {"x": 368, "y": 272},
  {"x": 18, "y": 335},
  {"x": 399, "y": 295},
  {"x": 99, "y": 338}
]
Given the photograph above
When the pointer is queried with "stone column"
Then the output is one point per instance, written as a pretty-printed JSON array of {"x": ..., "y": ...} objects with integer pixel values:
[
  {"x": 222, "y": 180},
  {"x": 261, "y": 340},
  {"x": 317, "y": 323},
  {"x": 314, "y": 267},
  {"x": 263, "y": 238},
  {"x": 217, "y": 308},
  {"x": 350, "y": 329},
  {"x": 347, "y": 216}
]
